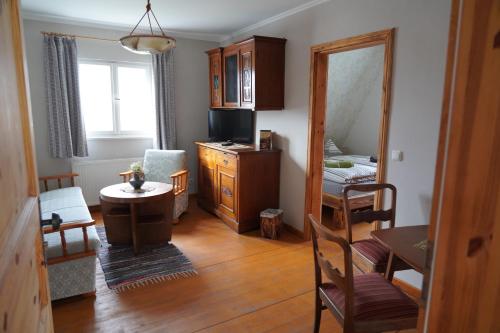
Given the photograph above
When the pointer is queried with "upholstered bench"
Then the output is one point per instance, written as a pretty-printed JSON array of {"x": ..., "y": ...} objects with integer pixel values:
[{"x": 71, "y": 249}]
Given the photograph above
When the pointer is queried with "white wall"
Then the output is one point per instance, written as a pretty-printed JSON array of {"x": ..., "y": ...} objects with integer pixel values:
[
  {"x": 363, "y": 136},
  {"x": 191, "y": 93},
  {"x": 418, "y": 78},
  {"x": 354, "y": 94}
]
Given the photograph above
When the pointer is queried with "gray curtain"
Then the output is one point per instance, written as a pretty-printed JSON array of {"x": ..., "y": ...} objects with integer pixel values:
[
  {"x": 163, "y": 72},
  {"x": 66, "y": 129}
]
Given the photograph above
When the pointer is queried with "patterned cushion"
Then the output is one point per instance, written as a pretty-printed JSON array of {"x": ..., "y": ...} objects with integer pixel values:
[
  {"x": 160, "y": 164},
  {"x": 67, "y": 202},
  {"x": 331, "y": 148},
  {"x": 181, "y": 204},
  {"x": 372, "y": 250},
  {"x": 70, "y": 205},
  {"x": 375, "y": 298},
  {"x": 73, "y": 277}
]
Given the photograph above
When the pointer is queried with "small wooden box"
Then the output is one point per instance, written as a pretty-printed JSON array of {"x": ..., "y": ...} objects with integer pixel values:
[{"x": 270, "y": 223}]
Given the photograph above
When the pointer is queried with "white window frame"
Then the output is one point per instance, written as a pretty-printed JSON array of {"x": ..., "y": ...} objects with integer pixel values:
[{"x": 117, "y": 133}]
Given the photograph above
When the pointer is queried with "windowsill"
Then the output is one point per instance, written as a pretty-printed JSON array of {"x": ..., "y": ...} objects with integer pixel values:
[{"x": 119, "y": 137}]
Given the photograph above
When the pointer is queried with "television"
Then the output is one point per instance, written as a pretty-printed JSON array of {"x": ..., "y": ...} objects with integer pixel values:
[{"x": 230, "y": 125}]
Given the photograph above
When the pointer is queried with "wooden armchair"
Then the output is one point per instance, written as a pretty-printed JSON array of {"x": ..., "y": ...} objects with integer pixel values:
[
  {"x": 170, "y": 167},
  {"x": 368, "y": 254},
  {"x": 363, "y": 303}
]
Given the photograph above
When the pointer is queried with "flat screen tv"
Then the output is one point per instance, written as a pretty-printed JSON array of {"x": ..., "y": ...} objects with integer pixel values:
[{"x": 234, "y": 125}]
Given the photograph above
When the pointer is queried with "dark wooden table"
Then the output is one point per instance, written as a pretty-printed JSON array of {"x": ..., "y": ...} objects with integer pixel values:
[
  {"x": 137, "y": 218},
  {"x": 407, "y": 243}
]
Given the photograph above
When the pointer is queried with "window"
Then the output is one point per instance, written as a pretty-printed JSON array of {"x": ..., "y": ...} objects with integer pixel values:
[{"x": 116, "y": 98}]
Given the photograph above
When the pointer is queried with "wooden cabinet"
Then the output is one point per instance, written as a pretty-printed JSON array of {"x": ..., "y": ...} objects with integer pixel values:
[
  {"x": 253, "y": 73},
  {"x": 215, "y": 77},
  {"x": 237, "y": 184}
]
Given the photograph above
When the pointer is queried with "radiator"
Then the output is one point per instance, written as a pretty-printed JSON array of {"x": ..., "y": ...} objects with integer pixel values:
[{"x": 96, "y": 174}]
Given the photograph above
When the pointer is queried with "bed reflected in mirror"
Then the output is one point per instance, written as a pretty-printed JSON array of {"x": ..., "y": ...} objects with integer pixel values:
[{"x": 354, "y": 96}]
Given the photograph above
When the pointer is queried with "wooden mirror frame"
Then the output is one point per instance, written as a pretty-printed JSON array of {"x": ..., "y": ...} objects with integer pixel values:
[{"x": 317, "y": 106}]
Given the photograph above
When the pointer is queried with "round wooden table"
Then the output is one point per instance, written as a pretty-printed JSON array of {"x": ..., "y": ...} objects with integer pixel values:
[{"x": 138, "y": 217}]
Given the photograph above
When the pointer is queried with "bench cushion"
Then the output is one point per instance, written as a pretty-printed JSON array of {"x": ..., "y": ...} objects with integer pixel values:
[{"x": 70, "y": 205}]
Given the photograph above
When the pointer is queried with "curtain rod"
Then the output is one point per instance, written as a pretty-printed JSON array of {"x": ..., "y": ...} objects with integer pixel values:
[{"x": 77, "y": 36}]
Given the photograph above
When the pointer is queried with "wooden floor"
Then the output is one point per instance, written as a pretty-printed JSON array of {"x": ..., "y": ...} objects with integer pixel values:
[{"x": 245, "y": 284}]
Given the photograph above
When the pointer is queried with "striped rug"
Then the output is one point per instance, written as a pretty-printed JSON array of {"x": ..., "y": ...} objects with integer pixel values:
[{"x": 123, "y": 270}]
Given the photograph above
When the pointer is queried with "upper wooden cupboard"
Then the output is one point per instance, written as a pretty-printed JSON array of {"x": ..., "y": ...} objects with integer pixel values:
[{"x": 248, "y": 75}]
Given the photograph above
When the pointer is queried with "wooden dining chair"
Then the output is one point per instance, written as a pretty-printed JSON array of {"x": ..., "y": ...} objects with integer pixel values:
[
  {"x": 362, "y": 303},
  {"x": 368, "y": 254}
]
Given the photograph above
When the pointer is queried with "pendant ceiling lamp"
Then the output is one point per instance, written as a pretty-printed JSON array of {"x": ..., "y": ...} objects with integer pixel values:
[{"x": 148, "y": 43}]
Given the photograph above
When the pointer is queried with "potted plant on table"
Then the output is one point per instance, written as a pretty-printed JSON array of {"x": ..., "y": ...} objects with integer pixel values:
[{"x": 137, "y": 179}]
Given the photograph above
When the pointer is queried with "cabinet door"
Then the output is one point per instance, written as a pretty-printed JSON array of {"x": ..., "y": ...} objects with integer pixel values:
[
  {"x": 206, "y": 184},
  {"x": 215, "y": 72},
  {"x": 231, "y": 77},
  {"x": 247, "y": 74},
  {"x": 226, "y": 191}
]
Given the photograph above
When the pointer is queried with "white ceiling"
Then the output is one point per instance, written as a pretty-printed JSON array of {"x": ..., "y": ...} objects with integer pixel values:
[{"x": 216, "y": 19}]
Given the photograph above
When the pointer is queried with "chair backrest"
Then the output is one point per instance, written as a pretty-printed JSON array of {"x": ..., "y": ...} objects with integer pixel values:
[
  {"x": 368, "y": 215},
  {"x": 160, "y": 164},
  {"x": 343, "y": 281}
]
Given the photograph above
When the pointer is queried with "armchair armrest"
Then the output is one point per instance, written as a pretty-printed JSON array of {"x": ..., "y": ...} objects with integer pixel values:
[
  {"x": 59, "y": 179},
  {"x": 67, "y": 226},
  {"x": 126, "y": 175},
  {"x": 179, "y": 181}
]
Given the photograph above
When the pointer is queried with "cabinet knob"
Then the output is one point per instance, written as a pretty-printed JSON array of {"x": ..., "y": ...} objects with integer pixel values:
[{"x": 226, "y": 162}]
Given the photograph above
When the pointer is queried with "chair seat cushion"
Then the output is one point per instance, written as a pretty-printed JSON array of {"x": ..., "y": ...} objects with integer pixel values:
[
  {"x": 372, "y": 250},
  {"x": 375, "y": 298},
  {"x": 67, "y": 202},
  {"x": 70, "y": 205}
]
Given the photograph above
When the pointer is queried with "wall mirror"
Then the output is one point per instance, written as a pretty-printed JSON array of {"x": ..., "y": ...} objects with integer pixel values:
[{"x": 349, "y": 115}]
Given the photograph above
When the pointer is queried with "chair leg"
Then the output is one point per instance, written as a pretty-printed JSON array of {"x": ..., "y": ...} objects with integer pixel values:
[{"x": 317, "y": 312}]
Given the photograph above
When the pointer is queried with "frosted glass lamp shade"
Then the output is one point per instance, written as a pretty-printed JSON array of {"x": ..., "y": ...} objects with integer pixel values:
[{"x": 148, "y": 44}]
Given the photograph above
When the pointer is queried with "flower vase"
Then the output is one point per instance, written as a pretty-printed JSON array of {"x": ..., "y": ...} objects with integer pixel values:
[{"x": 137, "y": 180}]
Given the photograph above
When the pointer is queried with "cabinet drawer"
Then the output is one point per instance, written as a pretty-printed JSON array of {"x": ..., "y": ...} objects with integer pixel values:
[
  {"x": 227, "y": 161},
  {"x": 205, "y": 154}
]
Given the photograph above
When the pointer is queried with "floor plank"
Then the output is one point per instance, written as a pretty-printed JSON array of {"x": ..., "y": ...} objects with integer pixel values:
[{"x": 245, "y": 284}]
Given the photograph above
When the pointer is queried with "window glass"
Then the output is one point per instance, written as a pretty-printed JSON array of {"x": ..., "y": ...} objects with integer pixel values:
[
  {"x": 96, "y": 97},
  {"x": 135, "y": 99}
]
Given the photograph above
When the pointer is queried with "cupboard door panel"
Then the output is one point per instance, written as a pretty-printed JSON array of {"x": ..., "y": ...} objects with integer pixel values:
[
  {"x": 231, "y": 78},
  {"x": 215, "y": 63},
  {"x": 206, "y": 183},
  {"x": 226, "y": 191},
  {"x": 247, "y": 76}
]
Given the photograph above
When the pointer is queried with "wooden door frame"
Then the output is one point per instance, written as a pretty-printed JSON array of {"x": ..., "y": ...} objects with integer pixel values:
[
  {"x": 317, "y": 110},
  {"x": 464, "y": 233}
]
